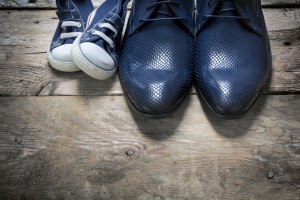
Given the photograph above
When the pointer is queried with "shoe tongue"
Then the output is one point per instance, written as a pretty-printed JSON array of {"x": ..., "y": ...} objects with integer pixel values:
[
  {"x": 69, "y": 40},
  {"x": 162, "y": 8},
  {"x": 62, "y": 4},
  {"x": 226, "y": 4}
]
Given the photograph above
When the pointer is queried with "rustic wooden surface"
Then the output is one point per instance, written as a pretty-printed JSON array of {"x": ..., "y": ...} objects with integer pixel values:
[
  {"x": 67, "y": 136},
  {"x": 95, "y": 148},
  {"x": 25, "y": 36},
  {"x": 50, "y": 4}
]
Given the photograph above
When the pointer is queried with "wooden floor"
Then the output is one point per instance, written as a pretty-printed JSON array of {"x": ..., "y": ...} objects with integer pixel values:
[{"x": 67, "y": 136}]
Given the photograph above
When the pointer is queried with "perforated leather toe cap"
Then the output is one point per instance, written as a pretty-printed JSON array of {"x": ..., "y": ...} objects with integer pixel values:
[
  {"x": 154, "y": 96},
  {"x": 228, "y": 100}
]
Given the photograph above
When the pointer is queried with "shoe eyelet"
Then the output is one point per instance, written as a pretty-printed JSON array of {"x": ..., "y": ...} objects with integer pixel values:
[
  {"x": 79, "y": 25},
  {"x": 93, "y": 31}
]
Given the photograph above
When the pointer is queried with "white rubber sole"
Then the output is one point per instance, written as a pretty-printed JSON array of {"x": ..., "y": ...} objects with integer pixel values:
[
  {"x": 62, "y": 66},
  {"x": 86, "y": 66}
]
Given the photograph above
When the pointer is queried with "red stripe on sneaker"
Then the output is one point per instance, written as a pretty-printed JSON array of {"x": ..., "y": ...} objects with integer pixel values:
[{"x": 89, "y": 20}]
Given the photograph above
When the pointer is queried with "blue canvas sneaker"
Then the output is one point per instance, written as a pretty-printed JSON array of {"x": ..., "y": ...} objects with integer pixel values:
[
  {"x": 72, "y": 15},
  {"x": 232, "y": 54},
  {"x": 96, "y": 51},
  {"x": 156, "y": 63}
]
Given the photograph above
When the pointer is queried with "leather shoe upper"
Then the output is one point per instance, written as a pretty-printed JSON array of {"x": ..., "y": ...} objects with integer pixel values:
[
  {"x": 156, "y": 63},
  {"x": 232, "y": 54}
]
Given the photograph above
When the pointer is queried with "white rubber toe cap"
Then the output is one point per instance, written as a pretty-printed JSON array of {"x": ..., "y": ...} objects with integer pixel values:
[
  {"x": 62, "y": 53},
  {"x": 97, "y": 56}
]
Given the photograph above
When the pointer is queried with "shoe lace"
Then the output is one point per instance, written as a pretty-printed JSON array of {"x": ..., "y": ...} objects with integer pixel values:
[
  {"x": 104, "y": 36},
  {"x": 218, "y": 13},
  {"x": 65, "y": 25},
  {"x": 169, "y": 15}
]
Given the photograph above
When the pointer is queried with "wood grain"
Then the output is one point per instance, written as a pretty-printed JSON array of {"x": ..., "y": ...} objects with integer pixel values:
[
  {"x": 50, "y": 4},
  {"x": 24, "y": 70},
  {"x": 95, "y": 148}
]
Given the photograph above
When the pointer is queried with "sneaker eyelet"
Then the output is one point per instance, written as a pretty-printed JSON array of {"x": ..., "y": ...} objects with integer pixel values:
[{"x": 93, "y": 31}]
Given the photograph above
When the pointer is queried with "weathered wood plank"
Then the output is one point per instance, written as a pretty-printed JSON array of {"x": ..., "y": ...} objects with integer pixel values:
[
  {"x": 43, "y": 4},
  {"x": 50, "y": 4},
  {"x": 95, "y": 148},
  {"x": 280, "y": 2},
  {"x": 25, "y": 35}
]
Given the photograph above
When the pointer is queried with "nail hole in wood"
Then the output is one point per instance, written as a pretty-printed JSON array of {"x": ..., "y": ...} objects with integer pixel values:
[
  {"x": 129, "y": 153},
  {"x": 270, "y": 175}
]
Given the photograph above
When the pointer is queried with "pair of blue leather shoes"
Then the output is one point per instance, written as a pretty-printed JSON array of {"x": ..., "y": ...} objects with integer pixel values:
[{"x": 224, "y": 45}]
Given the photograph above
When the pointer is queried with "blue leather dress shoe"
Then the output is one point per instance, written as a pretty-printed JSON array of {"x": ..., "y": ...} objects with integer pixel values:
[
  {"x": 96, "y": 51},
  {"x": 156, "y": 63},
  {"x": 72, "y": 15},
  {"x": 232, "y": 54}
]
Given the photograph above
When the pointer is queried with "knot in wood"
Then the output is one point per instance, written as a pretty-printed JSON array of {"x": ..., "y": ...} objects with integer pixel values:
[{"x": 129, "y": 152}]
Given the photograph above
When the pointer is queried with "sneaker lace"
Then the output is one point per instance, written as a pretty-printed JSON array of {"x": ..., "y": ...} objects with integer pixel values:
[
  {"x": 222, "y": 9},
  {"x": 158, "y": 10},
  {"x": 65, "y": 25},
  {"x": 103, "y": 35}
]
